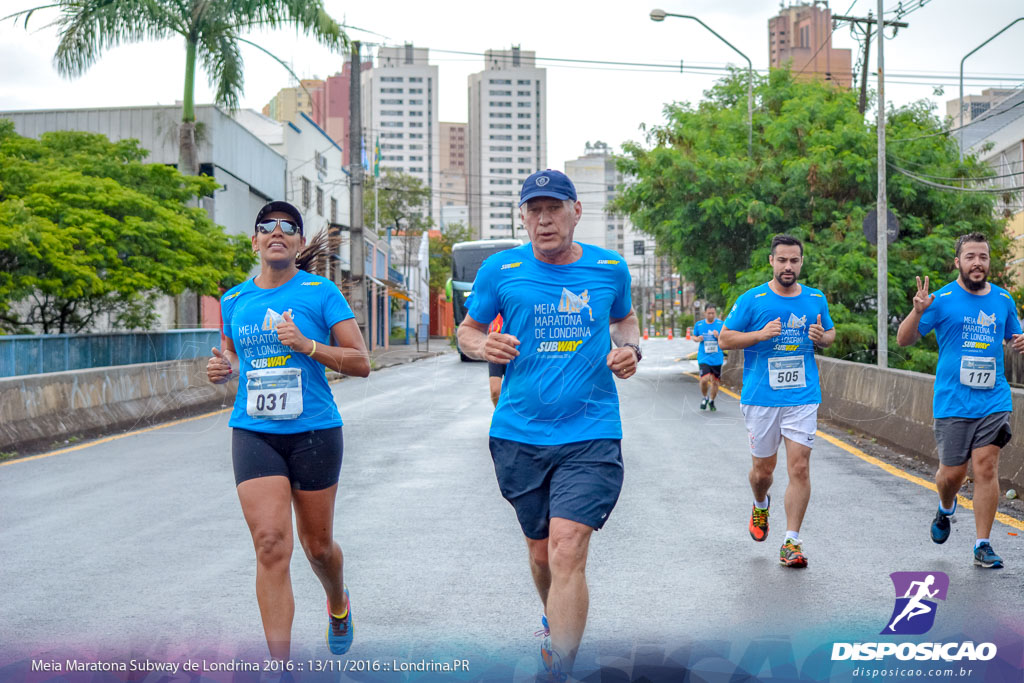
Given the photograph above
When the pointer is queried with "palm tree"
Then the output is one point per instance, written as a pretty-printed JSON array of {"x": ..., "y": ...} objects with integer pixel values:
[{"x": 212, "y": 31}]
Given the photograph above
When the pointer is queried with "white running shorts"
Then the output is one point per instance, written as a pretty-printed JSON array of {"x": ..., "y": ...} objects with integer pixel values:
[{"x": 766, "y": 425}]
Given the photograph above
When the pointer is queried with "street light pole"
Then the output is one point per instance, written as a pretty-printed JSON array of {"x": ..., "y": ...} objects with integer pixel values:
[
  {"x": 659, "y": 15},
  {"x": 993, "y": 37}
]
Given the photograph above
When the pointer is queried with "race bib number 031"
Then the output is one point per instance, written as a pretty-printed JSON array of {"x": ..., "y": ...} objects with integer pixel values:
[
  {"x": 786, "y": 372},
  {"x": 977, "y": 373},
  {"x": 711, "y": 346},
  {"x": 274, "y": 394}
]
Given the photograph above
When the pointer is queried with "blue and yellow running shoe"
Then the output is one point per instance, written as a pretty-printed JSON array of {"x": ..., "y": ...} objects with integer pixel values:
[{"x": 340, "y": 629}]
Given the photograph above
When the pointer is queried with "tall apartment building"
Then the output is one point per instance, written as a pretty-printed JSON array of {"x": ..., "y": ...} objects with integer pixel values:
[
  {"x": 507, "y": 136},
  {"x": 399, "y": 102},
  {"x": 288, "y": 103},
  {"x": 597, "y": 181},
  {"x": 454, "y": 178},
  {"x": 802, "y": 33}
]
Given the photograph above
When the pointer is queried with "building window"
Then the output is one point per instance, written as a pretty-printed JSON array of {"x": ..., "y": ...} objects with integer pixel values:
[
  {"x": 394, "y": 91},
  {"x": 500, "y": 115},
  {"x": 392, "y": 112},
  {"x": 500, "y": 148},
  {"x": 523, "y": 104},
  {"x": 415, "y": 113},
  {"x": 415, "y": 79},
  {"x": 415, "y": 136},
  {"x": 502, "y": 104},
  {"x": 319, "y": 201},
  {"x": 390, "y": 102},
  {"x": 415, "y": 101},
  {"x": 307, "y": 191},
  {"x": 524, "y": 115},
  {"x": 500, "y": 93},
  {"x": 501, "y": 137},
  {"x": 524, "y": 126},
  {"x": 392, "y": 79},
  {"x": 415, "y": 91},
  {"x": 524, "y": 160},
  {"x": 391, "y": 124},
  {"x": 521, "y": 82},
  {"x": 415, "y": 124},
  {"x": 499, "y": 81},
  {"x": 526, "y": 148},
  {"x": 500, "y": 126},
  {"x": 334, "y": 210}
]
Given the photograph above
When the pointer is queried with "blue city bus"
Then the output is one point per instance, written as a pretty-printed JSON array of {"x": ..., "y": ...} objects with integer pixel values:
[{"x": 467, "y": 257}]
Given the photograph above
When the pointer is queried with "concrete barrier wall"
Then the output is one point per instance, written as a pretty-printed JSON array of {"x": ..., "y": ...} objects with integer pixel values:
[
  {"x": 38, "y": 411},
  {"x": 894, "y": 406}
]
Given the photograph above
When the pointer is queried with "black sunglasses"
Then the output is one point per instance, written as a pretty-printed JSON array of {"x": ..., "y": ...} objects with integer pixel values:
[{"x": 287, "y": 227}]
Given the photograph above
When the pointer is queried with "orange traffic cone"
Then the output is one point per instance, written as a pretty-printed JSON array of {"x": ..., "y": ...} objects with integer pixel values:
[
  {"x": 645, "y": 334},
  {"x": 670, "y": 333}
]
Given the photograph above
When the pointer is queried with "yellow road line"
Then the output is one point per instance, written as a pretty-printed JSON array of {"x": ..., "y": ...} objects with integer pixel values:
[
  {"x": 895, "y": 471},
  {"x": 115, "y": 438}
]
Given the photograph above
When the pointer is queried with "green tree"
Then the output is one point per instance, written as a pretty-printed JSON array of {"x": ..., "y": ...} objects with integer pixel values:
[
  {"x": 212, "y": 33},
  {"x": 88, "y": 230},
  {"x": 713, "y": 210},
  {"x": 441, "y": 252},
  {"x": 404, "y": 205}
]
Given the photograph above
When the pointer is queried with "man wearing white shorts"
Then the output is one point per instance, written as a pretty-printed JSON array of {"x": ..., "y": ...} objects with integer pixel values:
[{"x": 778, "y": 325}]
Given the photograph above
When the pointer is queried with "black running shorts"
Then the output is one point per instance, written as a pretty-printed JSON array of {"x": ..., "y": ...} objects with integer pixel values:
[{"x": 310, "y": 460}]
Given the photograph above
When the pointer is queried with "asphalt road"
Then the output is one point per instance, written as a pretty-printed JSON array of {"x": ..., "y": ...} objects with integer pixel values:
[{"x": 136, "y": 546}]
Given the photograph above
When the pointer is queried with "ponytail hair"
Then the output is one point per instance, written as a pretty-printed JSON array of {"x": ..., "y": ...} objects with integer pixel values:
[{"x": 315, "y": 258}]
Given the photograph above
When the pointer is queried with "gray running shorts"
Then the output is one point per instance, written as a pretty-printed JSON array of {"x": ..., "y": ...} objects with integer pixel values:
[{"x": 956, "y": 437}]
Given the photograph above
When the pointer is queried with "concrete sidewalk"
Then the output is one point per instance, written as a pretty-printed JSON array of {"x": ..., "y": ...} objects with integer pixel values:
[{"x": 398, "y": 354}]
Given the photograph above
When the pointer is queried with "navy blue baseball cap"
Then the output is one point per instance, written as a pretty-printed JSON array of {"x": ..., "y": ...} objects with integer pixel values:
[
  {"x": 547, "y": 183},
  {"x": 283, "y": 207}
]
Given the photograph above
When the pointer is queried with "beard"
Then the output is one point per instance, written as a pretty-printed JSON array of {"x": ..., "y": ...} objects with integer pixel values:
[
  {"x": 786, "y": 279},
  {"x": 972, "y": 285}
]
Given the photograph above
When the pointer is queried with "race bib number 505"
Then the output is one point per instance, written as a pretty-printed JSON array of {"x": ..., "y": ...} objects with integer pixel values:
[
  {"x": 786, "y": 372},
  {"x": 274, "y": 394}
]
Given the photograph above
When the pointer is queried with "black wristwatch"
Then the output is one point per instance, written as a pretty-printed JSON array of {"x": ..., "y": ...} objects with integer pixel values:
[{"x": 635, "y": 347}]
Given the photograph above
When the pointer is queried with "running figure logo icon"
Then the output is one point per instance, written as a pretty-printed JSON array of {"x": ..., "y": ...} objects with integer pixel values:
[
  {"x": 984, "y": 319},
  {"x": 914, "y": 612},
  {"x": 795, "y": 322}
]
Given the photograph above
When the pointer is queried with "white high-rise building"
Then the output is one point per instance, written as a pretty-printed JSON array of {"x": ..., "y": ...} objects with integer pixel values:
[
  {"x": 507, "y": 137},
  {"x": 597, "y": 180},
  {"x": 399, "y": 103}
]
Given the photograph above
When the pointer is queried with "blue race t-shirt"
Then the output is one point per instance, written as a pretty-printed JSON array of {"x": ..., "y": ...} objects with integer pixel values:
[
  {"x": 708, "y": 351},
  {"x": 970, "y": 380},
  {"x": 250, "y": 318},
  {"x": 558, "y": 389},
  {"x": 782, "y": 370}
]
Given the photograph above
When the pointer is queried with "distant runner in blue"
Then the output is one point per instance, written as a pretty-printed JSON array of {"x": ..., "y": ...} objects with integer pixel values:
[
  {"x": 281, "y": 330},
  {"x": 972, "y": 404},
  {"x": 779, "y": 324},
  {"x": 555, "y": 434},
  {"x": 709, "y": 356}
]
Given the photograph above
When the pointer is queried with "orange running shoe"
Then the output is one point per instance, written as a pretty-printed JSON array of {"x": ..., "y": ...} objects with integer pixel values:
[
  {"x": 759, "y": 522},
  {"x": 791, "y": 555}
]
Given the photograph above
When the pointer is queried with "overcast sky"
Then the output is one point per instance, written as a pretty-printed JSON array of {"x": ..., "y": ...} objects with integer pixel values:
[{"x": 585, "y": 102}]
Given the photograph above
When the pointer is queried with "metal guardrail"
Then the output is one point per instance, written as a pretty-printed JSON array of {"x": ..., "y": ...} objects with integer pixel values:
[{"x": 30, "y": 354}]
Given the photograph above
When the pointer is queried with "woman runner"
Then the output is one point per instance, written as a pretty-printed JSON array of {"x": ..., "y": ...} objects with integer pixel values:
[{"x": 281, "y": 329}]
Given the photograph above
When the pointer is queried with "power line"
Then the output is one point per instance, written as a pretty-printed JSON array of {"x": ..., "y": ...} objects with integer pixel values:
[
  {"x": 991, "y": 113},
  {"x": 952, "y": 188}
]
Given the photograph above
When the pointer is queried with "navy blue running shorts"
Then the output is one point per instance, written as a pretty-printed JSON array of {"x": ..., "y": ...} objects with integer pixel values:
[
  {"x": 496, "y": 369},
  {"x": 577, "y": 481},
  {"x": 310, "y": 460}
]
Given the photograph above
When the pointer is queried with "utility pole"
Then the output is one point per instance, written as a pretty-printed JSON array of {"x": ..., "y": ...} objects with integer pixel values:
[
  {"x": 357, "y": 256},
  {"x": 869, "y": 21},
  {"x": 882, "y": 204},
  {"x": 883, "y": 213}
]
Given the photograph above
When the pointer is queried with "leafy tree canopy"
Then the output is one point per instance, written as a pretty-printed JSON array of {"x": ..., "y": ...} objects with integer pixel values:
[
  {"x": 713, "y": 210},
  {"x": 87, "y": 230},
  {"x": 441, "y": 252}
]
